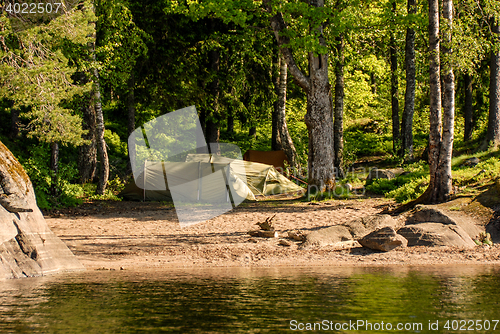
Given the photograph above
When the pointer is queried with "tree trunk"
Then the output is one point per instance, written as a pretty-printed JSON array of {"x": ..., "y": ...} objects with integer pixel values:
[
  {"x": 101, "y": 143},
  {"x": 54, "y": 166},
  {"x": 319, "y": 116},
  {"x": 275, "y": 131},
  {"x": 252, "y": 132},
  {"x": 394, "y": 88},
  {"x": 131, "y": 104},
  {"x": 14, "y": 123},
  {"x": 468, "y": 112},
  {"x": 338, "y": 124},
  {"x": 230, "y": 124},
  {"x": 212, "y": 125},
  {"x": 441, "y": 126},
  {"x": 493, "y": 134},
  {"x": 446, "y": 152},
  {"x": 409, "y": 108},
  {"x": 285, "y": 140},
  {"x": 87, "y": 153},
  {"x": 131, "y": 110}
]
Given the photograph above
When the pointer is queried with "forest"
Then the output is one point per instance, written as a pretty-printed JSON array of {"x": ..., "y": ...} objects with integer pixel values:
[{"x": 335, "y": 84}]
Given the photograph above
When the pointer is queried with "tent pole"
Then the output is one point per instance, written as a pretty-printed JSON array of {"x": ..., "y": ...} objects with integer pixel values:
[
  {"x": 227, "y": 183},
  {"x": 144, "y": 190},
  {"x": 199, "y": 181}
]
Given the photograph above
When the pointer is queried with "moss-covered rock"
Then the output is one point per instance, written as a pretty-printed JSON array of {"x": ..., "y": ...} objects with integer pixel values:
[{"x": 27, "y": 246}]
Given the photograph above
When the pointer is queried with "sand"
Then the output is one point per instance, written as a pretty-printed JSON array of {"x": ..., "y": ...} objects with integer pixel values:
[{"x": 135, "y": 236}]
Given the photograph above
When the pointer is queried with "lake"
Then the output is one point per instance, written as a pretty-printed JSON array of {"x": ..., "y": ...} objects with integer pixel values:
[{"x": 401, "y": 299}]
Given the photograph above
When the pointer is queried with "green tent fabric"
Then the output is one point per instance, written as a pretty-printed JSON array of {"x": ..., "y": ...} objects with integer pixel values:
[
  {"x": 200, "y": 182},
  {"x": 262, "y": 179}
]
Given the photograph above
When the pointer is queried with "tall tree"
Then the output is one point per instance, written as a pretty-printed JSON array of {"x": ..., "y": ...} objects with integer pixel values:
[
  {"x": 394, "y": 86},
  {"x": 101, "y": 143},
  {"x": 319, "y": 116},
  {"x": 285, "y": 139},
  {"x": 37, "y": 77},
  {"x": 87, "y": 152},
  {"x": 338, "y": 124},
  {"x": 441, "y": 116},
  {"x": 409, "y": 107},
  {"x": 493, "y": 134}
]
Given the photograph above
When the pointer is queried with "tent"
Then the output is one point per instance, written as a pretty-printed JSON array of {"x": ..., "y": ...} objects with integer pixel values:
[{"x": 200, "y": 177}]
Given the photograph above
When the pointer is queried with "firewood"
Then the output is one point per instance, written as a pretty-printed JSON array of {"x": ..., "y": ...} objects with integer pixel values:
[
  {"x": 263, "y": 234},
  {"x": 267, "y": 225}
]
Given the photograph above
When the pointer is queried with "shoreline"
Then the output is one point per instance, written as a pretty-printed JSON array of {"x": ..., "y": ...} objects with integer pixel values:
[{"x": 136, "y": 236}]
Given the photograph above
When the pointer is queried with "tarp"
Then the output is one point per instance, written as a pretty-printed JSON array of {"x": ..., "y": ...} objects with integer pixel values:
[
  {"x": 249, "y": 179},
  {"x": 275, "y": 158}
]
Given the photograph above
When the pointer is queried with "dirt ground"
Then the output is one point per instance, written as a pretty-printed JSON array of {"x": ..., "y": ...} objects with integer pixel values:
[{"x": 133, "y": 235}]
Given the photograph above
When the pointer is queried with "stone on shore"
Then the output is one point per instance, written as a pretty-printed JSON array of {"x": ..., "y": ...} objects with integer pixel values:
[
  {"x": 346, "y": 235},
  {"x": 433, "y": 214},
  {"x": 384, "y": 239},
  {"x": 363, "y": 226},
  {"x": 27, "y": 246},
  {"x": 436, "y": 234}
]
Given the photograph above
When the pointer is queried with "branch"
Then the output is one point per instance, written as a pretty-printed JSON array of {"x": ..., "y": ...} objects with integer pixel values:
[{"x": 278, "y": 25}]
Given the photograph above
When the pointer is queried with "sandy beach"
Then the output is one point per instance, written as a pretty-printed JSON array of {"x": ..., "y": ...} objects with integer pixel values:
[{"x": 135, "y": 236}]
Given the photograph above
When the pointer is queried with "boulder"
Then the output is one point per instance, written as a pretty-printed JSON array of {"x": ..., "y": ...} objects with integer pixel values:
[
  {"x": 27, "y": 246},
  {"x": 433, "y": 214},
  {"x": 346, "y": 235},
  {"x": 376, "y": 173},
  {"x": 363, "y": 226},
  {"x": 383, "y": 239},
  {"x": 436, "y": 234},
  {"x": 337, "y": 236}
]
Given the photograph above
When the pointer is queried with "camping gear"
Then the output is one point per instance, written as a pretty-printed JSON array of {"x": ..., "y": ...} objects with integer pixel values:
[
  {"x": 197, "y": 177},
  {"x": 275, "y": 158}
]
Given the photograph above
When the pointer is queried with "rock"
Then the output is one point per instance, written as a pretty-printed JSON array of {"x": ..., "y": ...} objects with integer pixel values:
[
  {"x": 14, "y": 204},
  {"x": 362, "y": 226},
  {"x": 436, "y": 234},
  {"x": 376, "y": 173},
  {"x": 346, "y": 235},
  {"x": 384, "y": 239},
  {"x": 336, "y": 235},
  {"x": 284, "y": 242},
  {"x": 471, "y": 162},
  {"x": 431, "y": 213},
  {"x": 27, "y": 246},
  {"x": 296, "y": 235}
]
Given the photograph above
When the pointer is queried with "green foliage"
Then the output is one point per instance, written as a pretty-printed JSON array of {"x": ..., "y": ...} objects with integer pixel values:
[
  {"x": 37, "y": 77},
  {"x": 339, "y": 192},
  {"x": 410, "y": 190},
  {"x": 37, "y": 168},
  {"x": 112, "y": 190},
  {"x": 405, "y": 187}
]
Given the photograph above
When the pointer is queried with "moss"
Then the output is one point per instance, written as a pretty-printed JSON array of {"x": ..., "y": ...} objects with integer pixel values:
[{"x": 15, "y": 170}]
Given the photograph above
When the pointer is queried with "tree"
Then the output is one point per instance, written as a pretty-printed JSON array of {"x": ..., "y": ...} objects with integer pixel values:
[
  {"x": 409, "y": 107},
  {"x": 338, "y": 124},
  {"x": 493, "y": 134},
  {"x": 285, "y": 141},
  {"x": 319, "y": 116},
  {"x": 37, "y": 77},
  {"x": 394, "y": 87},
  {"x": 441, "y": 125}
]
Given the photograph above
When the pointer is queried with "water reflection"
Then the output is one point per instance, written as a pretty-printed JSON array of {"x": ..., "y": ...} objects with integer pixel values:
[{"x": 248, "y": 300}]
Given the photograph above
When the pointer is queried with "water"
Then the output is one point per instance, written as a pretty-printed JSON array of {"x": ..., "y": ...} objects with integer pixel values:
[{"x": 246, "y": 300}]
